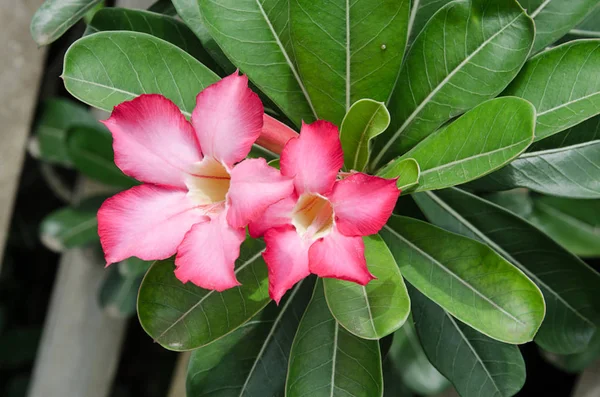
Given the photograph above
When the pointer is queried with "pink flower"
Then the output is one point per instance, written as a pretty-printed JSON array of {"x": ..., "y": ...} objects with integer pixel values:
[
  {"x": 318, "y": 228},
  {"x": 195, "y": 200}
]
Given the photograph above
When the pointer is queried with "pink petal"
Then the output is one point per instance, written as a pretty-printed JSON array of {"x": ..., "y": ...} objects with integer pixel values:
[
  {"x": 341, "y": 257},
  {"x": 274, "y": 134},
  {"x": 287, "y": 259},
  {"x": 207, "y": 254},
  {"x": 228, "y": 119},
  {"x": 277, "y": 215},
  {"x": 314, "y": 158},
  {"x": 254, "y": 187},
  {"x": 146, "y": 221},
  {"x": 363, "y": 203},
  {"x": 152, "y": 140}
]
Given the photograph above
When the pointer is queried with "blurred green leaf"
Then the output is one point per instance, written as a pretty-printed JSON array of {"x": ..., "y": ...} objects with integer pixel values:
[
  {"x": 185, "y": 317},
  {"x": 90, "y": 150},
  {"x": 517, "y": 201},
  {"x": 326, "y": 357},
  {"x": 165, "y": 7},
  {"x": 466, "y": 278},
  {"x": 577, "y": 362},
  {"x": 70, "y": 227},
  {"x": 118, "y": 293},
  {"x": 377, "y": 309},
  {"x": 55, "y": 17}
]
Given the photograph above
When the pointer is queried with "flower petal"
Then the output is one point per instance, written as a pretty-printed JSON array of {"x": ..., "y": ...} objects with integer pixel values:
[
  {"x": 314, "y": 158},
  {"x": 277, "y": 215},
  {"x": 287, "y": 259},
  {"x": 363, "y": 203},
  {"x": 341, "y": 257},
  {"x": 254, "y": 187},
  {"x": 146, "y": 221},
  {"x": 152, "y": 140},
  {"x": 207, "y": 254},
  {"x": 228, "y": 119}
]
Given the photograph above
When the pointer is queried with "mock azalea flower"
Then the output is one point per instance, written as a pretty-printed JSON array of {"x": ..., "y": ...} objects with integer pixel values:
[
  {"x": 198, "y": 195},
  {"x": 318, "y": 228}
]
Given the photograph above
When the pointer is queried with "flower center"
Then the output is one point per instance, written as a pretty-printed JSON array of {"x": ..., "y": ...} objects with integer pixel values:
[
  {"x": 208, "y": 183},
  {"x": 313, "y": 216}
]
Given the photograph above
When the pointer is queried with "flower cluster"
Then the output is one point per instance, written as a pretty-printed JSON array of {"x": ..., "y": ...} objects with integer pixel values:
[{"x": 199, "y": 193}]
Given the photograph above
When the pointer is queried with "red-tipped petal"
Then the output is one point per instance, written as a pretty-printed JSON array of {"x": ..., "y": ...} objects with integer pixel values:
[
  {"x": 145, "y": 221},
  {"x": 287, "y": 259},
  {"x": 363, "y": 203},
  {"x": 341, "y": 257},
  {"x": 152, "y": 140},
  {"x": 207, "y": 254},
  {"x": 228, "y": 119},
  {"x": 314, "y": 158},
  {"x": 254, "y": 187}
]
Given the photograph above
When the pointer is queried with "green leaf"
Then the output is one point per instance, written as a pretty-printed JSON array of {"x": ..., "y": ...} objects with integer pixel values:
[
  {"x": 517, "y": 201},
  {"x": 364, "y": 121},
  {"x": 570, "y": 287},
  {"x": 348, "y": 50},
  {"x": 118, "y": 292},
  {"x": 554, "y": 18},
  {"x": 590, "y": 27},
  {"x": 475, "y": 364},
  {"x": 467, "y": 53},
  {"x": 467, "y": 279},
  {"x": 411, "y": 365},
  {"x": 163, "y": 7},
  {"x": 264, "y": 342},
  {"x": 185, "y": 317},
  {"x": 255, "y": 37},
  {"x": 158, "y": 25},
  {"x": 55, "y": 17},
  {"x": 377, "y": 309},
  {"x": 70, "y": 227},
  {"x": 58, "y": 115},
  {"x": 421, "y": 11},
  {"x": 561, "y": 83},
  {"x": 574, "y": 224},
  {"x": 328, "y": 359},
  {"x": 133, "y": 267},
  {"x": 569, "y": 171},
  {"x": 408, "y": 172},
  {"x": 577, "y": 362},
  {"x": 479, "y": 142},
  {"x": 107, "y": 68},
  {"x": 189, "y": 11},
  {"x": 91, "y": 151}
]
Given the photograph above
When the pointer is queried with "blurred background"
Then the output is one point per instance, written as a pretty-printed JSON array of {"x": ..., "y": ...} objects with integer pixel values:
[{"x": 67, "y": 325}]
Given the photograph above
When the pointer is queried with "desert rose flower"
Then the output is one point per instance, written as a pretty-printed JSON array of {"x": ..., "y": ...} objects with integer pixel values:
[
  {"x": 318, "y": 228},
  {"x": 198, "y": 192}
]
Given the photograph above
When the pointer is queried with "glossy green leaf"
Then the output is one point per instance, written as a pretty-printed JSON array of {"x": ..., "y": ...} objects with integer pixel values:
[
  {"x": 517, "y": 201},
  {"x": 255, "y": 36},
  {"x": 411, "y": 365},
  {"x": 466, "y": 278},
  {"x": 467, "y": 53},
  {"x": 570, "y": 171},
  {"x": 264, "y": 342},
  {"x": 475, "y": 364},
  {"x": 479, "y": 142},
  {"x": 421, "y": 11},
  {"x": 364, "y": 121},
  {"x": 554, "y": 18},
  {"x": 348, "y": 50},
  {"x": 562, "y": 84},
  {"x": 577, "y": 362},
  {"x": 568, "y": 284},
  {"x": 58, "y": 115},
  {"x": 590, "y": 27},
  {"x": 326, "y": 360},
  {"x": 161, "y": 26},
  {"x": 55, "y": 17},
  {"x": 408, "y": 172},
  {"x": 107, "y": 68},
  {"x": 118, "y": 292},
  {"x": 189, "y": 11},
  {"x": 90, "y": 150},
  {"x": 163, "y": 7},
  {"x": 71, "y": 227},
  {"x": 377, "y": 309},
  {"x": 575, "y": 224},
  {"x": 184, "y": 317}
]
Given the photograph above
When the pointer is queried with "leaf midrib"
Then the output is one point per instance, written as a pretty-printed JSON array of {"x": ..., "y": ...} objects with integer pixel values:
[
  {"x": 437, "y": 89},
  {"x": 466, "y": 284}
]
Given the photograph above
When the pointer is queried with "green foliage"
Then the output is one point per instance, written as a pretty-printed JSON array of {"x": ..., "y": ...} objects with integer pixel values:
[{"x": 55, "y": 17}]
